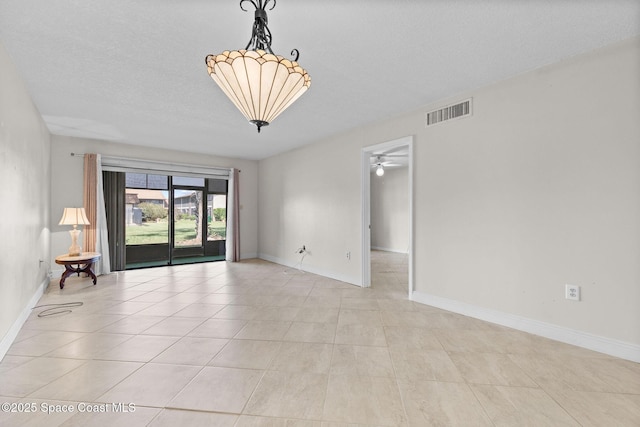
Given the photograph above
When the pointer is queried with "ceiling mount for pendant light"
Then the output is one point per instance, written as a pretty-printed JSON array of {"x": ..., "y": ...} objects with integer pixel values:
[{"x": 261, "y": 84}]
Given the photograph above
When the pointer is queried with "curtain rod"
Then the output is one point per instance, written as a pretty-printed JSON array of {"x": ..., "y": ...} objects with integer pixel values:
[{"x": 152, "y": 161}]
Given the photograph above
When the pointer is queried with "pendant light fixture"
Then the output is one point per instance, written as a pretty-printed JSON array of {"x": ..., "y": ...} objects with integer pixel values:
[{"x": 261, "y": 84}]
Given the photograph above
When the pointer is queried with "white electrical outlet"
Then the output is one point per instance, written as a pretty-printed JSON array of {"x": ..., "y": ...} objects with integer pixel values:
[
  {"x": 572, "y": 292},
  {"x": 348, "y": 254}
]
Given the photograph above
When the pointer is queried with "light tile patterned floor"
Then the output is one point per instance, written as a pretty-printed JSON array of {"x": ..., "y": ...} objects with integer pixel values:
[{"x": 254, "y": 344}]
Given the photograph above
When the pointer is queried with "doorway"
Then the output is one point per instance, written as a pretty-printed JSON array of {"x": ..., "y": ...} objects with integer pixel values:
[{"x": 374, "y": 158}]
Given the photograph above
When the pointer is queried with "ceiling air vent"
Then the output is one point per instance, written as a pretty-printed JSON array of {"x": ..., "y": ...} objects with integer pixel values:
[{"x": 447, "y": 113}]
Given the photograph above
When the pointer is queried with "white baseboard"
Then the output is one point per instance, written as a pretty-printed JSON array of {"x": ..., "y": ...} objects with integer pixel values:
[
  {"x": 309, "y": 269},
  {"x": 612, "y": 347},
  {"x": 12, "y": 333},
  {"x": 248, "y": 256},
  {"x": 397, "y": 251}
]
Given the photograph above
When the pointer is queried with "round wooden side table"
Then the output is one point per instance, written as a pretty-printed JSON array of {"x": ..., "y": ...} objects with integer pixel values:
[{"x": 83, "y": 262}]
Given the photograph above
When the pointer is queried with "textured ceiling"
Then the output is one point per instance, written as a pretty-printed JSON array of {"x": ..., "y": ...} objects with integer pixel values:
[{"x": 134, "y": 72}]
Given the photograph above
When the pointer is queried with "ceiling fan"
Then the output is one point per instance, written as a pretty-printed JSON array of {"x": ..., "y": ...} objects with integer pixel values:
[{"x": 379, "y": 162}]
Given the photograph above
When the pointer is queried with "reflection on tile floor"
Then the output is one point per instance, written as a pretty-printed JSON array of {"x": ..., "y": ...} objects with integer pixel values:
[{"x": 257, "y": 344}]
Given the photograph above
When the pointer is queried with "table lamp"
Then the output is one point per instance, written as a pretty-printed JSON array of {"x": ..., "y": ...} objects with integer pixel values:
[{"x": 74, "y": 216}]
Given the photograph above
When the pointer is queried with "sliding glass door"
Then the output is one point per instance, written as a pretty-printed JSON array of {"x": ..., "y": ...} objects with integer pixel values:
[{"x": 168, "y": 220}]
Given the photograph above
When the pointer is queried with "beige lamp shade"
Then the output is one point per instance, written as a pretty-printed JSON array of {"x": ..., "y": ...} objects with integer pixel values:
[
  {"x": 74, "y": 216},
  {"x": 262, "y": 85}
]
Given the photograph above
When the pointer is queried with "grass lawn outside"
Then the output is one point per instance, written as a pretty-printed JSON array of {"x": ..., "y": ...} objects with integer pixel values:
[{"x": 158, "y": 232}]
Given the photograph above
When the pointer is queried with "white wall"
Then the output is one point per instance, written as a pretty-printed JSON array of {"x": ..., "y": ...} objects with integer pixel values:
[
  {"x": 539, "y": 188},
  {"x": 67, "y": 187},
  {"x": 390, "y": 210},
  {"x": 24, "y": 216},
  {"x": 311, "y": 197}
]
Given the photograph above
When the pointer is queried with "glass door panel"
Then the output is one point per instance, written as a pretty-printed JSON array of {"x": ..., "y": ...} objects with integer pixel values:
[
  {"x": 216, "y": 217},
  {"x": 146, "y": 220},
  {"x": 187, "y": 218}
]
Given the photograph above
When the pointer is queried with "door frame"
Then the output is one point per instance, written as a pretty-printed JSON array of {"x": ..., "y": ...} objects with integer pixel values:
[{"x": 366, "y": 155}]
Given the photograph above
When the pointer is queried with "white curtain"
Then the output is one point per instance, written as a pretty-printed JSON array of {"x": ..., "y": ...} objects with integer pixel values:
[
  {"x": 95, "y": 234},
  {"x": 233, "y": 218},
  {"x": 102, "y": 235}
]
